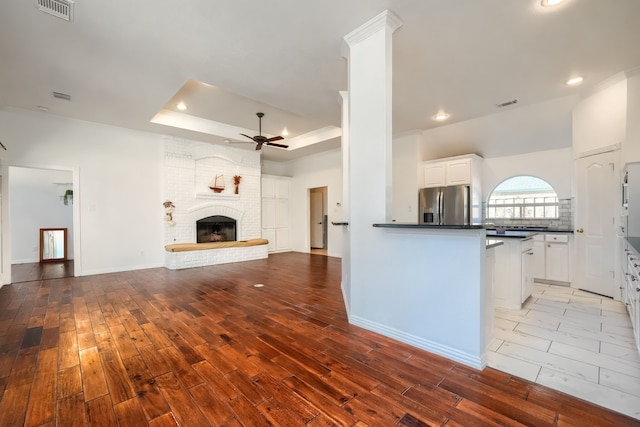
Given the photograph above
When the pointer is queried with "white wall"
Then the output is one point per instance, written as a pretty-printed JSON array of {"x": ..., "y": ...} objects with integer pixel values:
[
  {"x": 406, "y": 176},
  {"x": 554, "y": 166},
  {"x": 631, "y": 145},
  {"x": 36, "y": 203},
  {"x": 119, "y": 181},
  {"x": 319, "y": 170},
  {"x": 599, "y": 119}
]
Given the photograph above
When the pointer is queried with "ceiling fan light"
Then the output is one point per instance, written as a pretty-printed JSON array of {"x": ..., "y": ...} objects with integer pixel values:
[{"x": 284, "y": 132}]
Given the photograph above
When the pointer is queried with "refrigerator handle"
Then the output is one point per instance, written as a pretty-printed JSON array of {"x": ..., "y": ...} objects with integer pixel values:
[{"x": 440, "y": 207}]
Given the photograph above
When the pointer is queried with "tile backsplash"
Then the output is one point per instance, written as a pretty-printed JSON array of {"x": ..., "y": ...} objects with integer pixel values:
[{"x": 563, "y": 222}]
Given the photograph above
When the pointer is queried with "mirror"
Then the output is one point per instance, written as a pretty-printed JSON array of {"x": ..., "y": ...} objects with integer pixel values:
[{"x": 53, "y": 244}]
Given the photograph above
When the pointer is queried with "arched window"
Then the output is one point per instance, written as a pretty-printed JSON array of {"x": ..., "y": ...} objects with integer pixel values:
[{"x": 522, "y": 197}]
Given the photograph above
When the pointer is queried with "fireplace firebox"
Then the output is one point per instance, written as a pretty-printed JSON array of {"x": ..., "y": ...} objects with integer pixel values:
[{"x": 216, "y": 228}]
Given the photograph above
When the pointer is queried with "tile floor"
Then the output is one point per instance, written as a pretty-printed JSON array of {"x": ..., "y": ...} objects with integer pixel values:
[{"x": 572, "y": 341}]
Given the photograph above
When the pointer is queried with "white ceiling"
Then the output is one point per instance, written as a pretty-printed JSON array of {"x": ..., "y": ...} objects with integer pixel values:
[{"x": 123, "y": 62}]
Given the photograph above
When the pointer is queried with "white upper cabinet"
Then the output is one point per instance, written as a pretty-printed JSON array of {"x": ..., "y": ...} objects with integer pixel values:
[
  {"x": 452, "y": 171},
  {"x": 435, "y": 174},
  {"x": 459, "y": 172}
]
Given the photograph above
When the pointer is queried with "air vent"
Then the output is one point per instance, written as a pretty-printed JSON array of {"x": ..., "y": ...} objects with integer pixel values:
[
  {"x": 506, "y": 104},
  {"x": 60, "y": 95},
  {"x": 62, "y": 9}
]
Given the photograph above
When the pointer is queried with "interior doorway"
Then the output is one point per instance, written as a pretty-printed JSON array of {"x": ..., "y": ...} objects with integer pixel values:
[
  {"x": 318, "y": 220},
  {"x": 47, "y": 196}
]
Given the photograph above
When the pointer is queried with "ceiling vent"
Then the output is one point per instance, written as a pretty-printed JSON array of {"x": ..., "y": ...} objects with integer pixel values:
[
  {"x": 60, "y": 95},
  {"x": 62, "y": 9}
]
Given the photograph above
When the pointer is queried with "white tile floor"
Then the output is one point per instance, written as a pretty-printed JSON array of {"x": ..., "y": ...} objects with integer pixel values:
[{"x": 572, "y": 341}]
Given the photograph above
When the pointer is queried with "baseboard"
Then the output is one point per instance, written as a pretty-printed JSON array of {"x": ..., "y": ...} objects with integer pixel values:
[{"x": 433, "y": 347}]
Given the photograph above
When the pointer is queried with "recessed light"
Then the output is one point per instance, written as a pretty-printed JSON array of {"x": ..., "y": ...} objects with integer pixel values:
[
  {"x": 181, "y": 106},
  {"x": 440, "y": 117},
  {"x": 550, "y": 3},
  {"x": 574, "y": 81}
]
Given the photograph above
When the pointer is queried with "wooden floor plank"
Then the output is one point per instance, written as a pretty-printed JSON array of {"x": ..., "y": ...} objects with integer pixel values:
[
  {"x": 100, "y": 412},
  {"x": 42, "y": 402},
  {"x": 205, "y": 347},
  {"x": 13, "y": 406},
  {"x": 71, "y": 411},
  {"x": 94, "y": 383},
  {"x": 183, "y": 406}
]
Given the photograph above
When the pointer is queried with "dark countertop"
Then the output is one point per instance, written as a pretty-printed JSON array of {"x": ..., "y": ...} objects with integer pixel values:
[
  {"x": 635, "y": 243},
  {"x": 428, "y": 226}
]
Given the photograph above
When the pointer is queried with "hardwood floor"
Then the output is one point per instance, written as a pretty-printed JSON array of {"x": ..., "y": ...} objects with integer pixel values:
[
  {"x": 41, "y": 271},
  {"x": 205, "y": 346}
]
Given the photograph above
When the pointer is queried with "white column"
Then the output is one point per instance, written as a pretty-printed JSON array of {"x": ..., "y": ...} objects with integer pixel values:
[
  {"x": 346, "y": 205},
  {"x": 367, "y": 177}
]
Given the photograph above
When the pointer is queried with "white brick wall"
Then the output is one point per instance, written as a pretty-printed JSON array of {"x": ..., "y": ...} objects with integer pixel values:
[
  {"x": 190, "y": 259},
  {"x": 189, "y": 167}
]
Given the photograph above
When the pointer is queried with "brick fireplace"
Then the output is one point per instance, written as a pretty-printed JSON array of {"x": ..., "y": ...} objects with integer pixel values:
[{"x": 189, "y": 168}]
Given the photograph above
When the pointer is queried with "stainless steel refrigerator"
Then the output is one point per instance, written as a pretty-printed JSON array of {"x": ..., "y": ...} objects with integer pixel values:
[{"x": 444, "y": 205}]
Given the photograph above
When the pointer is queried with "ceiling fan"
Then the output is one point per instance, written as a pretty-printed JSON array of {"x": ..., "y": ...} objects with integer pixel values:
[{"x": 263, "y": 140}]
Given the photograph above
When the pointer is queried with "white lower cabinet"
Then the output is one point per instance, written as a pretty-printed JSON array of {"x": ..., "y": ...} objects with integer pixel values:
[
  {"x": 527, "y": 266},
  {"x": 514, "y": 272},
  {"x": 552, "y": 257},
  {"x": 490, "y": 268},
  {"x": 632, "y": 291}
]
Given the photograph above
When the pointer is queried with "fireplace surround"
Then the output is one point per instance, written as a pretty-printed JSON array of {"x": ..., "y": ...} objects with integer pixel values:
[{"x": 189, "y": 168}]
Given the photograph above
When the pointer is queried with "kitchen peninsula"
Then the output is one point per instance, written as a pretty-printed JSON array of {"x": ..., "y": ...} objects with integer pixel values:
[{"x": 427, "y": 286}]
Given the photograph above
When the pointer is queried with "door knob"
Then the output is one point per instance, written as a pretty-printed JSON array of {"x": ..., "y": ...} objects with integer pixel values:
[{"x": 580, "y": 230}]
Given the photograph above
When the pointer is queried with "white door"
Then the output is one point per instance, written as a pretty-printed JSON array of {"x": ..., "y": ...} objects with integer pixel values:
[
  {"x": 594, "y": 226},
  {"x": 316, "y": 219}
]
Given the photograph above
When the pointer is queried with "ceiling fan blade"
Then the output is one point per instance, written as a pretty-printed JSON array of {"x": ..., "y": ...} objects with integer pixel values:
[
  {"x": 250, "y": 137},
  {"x": 275, "y": 138},
  {"x": 277, "y": 145}
]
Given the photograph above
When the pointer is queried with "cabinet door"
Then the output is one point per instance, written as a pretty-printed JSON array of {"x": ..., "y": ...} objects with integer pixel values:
[
  {"x": 282, "y": 239},
  {"x": 282, "y": 212},
  {"x": 434, "y": 175},
  {"x": 282, "y": 188},
  {"x": 458, "y": 172},
  {"x": 557, "y": 261},
  {"x": 268, "y": 213},
  {"x": 268, "y": 187},
  {"x": 539, "y": 260},
  {"x": 527, "y": 274}
]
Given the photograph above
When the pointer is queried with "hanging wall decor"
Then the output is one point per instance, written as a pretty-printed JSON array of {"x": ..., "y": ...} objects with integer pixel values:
[
  {"x": 236, "y": 182},
  {"x": 169, "y": 207}
]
